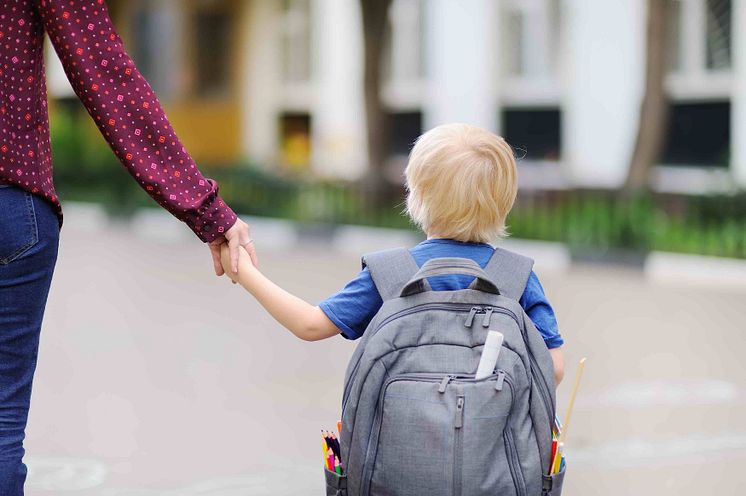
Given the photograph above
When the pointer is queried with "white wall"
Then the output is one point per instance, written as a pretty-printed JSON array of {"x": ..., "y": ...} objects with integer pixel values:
[
  {"x": 338, "y": 118},
  {"x": 738, "y": 109},
  {"x": 261, "y": 74},
  {"x": 57, "y": 84},
  {"x": 461, "y": 62},
  {"x": 604, "y": 78}
]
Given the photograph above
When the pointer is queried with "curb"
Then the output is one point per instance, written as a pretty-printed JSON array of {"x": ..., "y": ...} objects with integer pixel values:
[{"x": 675, "y": 269}]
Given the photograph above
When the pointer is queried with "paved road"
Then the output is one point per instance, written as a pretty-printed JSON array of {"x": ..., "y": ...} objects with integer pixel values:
[{"x": 156, "y": 378}]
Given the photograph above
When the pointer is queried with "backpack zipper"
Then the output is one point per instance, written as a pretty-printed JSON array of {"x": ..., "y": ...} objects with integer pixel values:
[
  {"x": 487, "y": 316},
  {"x": 514, "y": 463},
  {"x": 458, "y": 441},
  {"x": 472, "y": 313}
]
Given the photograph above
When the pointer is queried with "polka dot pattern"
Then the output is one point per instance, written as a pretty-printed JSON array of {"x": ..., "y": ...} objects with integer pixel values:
[{"x": 116, "y": 96}]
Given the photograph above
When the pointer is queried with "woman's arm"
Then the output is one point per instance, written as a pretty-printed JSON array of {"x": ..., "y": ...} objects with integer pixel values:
[
  {"x": 306, "y": 321},
  {"x": 129, "y": 116}
]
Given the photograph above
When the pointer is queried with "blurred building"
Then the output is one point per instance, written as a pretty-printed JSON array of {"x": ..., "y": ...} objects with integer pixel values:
[{"x": 280, "y": 82}]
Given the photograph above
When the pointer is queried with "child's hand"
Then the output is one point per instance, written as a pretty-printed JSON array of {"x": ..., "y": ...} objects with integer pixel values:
[{"x": 244, "y": 261}]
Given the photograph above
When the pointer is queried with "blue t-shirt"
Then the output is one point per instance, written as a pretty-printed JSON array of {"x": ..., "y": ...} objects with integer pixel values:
[{"x": 352, "y": 308}]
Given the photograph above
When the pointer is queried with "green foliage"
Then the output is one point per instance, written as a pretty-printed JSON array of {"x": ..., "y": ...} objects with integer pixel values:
[
  {"x": 605, "y": 220},
  {"x": 85, "y": 169}
]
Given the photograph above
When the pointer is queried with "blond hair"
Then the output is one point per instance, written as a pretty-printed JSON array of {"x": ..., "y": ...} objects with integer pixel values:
[{"x": 462, "y": 183}]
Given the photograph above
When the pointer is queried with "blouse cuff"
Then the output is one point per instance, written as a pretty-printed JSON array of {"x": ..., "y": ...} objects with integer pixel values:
[{"x": 212, "y": 220}]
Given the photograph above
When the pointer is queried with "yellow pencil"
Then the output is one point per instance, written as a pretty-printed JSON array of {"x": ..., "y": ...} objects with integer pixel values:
[
  {"x": 324, "y": 449},
  {"x": 566, "y": 424},
  {"x": 557, "y": 459}
]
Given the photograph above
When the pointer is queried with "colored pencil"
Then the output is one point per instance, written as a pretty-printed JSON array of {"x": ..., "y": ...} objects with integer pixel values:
[
  {"x": 324, "y": 449},
  {"x": 566, "y": 423},
  {"x": 330, "y": 459},
  {"x": 335, "y": 445},
  {"x": 557, "y": 459}
]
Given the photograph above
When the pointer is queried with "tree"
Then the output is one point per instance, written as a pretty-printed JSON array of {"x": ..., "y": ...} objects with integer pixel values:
[
  {"x": 654, "y": 110},
  {"x": 375, "y": 23}
]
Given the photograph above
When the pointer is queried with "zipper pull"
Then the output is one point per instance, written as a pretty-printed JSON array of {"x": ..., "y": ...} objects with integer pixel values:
[
  {"x": 459, "y": 421},
  {"x": 470, "y": 318},
  {"x": 500, "y": 380},
  {"x": 487, "y": 317},
  {"x": 444, "y": 383}
]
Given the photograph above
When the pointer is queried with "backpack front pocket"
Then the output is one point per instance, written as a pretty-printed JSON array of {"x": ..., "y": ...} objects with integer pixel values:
[{"x": 422, "y": 438}]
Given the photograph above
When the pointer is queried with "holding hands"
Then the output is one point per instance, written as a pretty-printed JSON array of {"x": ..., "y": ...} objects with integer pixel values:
[
  {"x": 244, "y": 264},
  {"x": 236, "y": 241},
  {"x": 306, "y": 321}
]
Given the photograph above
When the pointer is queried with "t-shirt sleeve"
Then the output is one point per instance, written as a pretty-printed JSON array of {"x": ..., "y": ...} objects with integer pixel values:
[
  {"x": 541, "y": 313},
  {"x": 352, "y": 308}
]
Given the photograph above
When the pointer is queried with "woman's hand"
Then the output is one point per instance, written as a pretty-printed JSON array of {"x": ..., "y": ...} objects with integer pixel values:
[{"x": 237, "y": 238}]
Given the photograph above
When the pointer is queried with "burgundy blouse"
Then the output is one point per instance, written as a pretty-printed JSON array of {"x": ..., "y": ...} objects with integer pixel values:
[{"x": 118, "y": 98}]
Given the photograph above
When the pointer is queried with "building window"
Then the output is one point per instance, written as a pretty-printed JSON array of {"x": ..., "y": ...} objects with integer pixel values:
[
  {"x": 213, "y": 50},
  {"x": 701, "y": 36},
  {"x": 530, "y": 37},
  {"x": 296, "y": 41},
  {"x": 405, "y": 128},
  {"x": 719, "y": 39},
  {"x": 404, "y": 55},
  {"x": 700, "y": 86},
  {"x": 675, "y": 61},
  {"x": 153, "y": 36},
  {"x": 514, "y": 43},
  {"x": 142, "y": 30},
  {"x": 534, "y": 133},
  {"x": 295, "y": 140},
  {"x": 698, "y": 135}
]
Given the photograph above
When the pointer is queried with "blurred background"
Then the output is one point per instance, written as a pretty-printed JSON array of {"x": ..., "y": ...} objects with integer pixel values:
[{"x": 629, "y": 121}]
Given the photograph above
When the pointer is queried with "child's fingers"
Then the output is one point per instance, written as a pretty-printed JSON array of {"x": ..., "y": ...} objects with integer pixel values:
[
  {"x": 215, "y": 252},
  {"x": 225, "y": 257},
  {"x": 225, "y": 260},
  {"x": 233, "y": 247}
]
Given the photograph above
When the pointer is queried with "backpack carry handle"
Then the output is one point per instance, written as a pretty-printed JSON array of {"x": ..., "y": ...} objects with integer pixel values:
[{"x": 449, "y": 266}]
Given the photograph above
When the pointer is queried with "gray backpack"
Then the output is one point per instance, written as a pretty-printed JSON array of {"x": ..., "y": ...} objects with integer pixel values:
[{"x": 414, "y": 420}]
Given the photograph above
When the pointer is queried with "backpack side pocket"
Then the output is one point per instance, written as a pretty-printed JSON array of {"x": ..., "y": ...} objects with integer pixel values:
[
  {"x": 552, "y": 484},
  {"x": 336, "y": 485}
]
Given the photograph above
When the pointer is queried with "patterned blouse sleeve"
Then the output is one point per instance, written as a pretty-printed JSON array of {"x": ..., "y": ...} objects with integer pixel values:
[{"x": 129, "y": 115}]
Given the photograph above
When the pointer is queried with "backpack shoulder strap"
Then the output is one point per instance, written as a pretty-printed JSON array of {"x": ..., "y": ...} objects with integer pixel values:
[
  {"x": 510, "y": 271},
  {"x": 390, "y": 270}
]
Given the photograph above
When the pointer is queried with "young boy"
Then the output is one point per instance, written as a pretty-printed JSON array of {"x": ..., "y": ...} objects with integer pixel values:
[{"x": 461, "y": 183}]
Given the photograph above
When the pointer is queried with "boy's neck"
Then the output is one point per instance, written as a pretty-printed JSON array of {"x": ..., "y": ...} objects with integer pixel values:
[{"x": 435, "y": 237}]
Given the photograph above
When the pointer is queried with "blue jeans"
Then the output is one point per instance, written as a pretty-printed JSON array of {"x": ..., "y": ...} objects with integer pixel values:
[{"x": 29, "y": 235}]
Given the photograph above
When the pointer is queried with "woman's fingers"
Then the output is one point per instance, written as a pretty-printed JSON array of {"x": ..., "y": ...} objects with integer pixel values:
[
  {"x": 252, "y": 253},
  {"x": 239, "y": 237}
]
